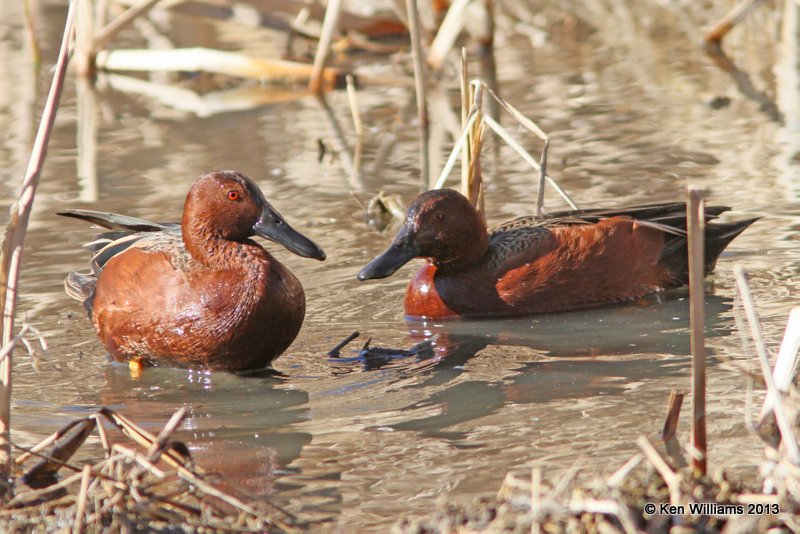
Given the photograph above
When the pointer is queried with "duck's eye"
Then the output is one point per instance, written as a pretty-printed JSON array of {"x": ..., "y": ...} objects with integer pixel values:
[
  {"x": 233, "y": 195},
  {"x": 438, "y": 216}
]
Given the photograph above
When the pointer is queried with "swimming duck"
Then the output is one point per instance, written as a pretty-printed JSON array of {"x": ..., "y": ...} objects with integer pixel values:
[
  {"x": 565, "y": 261},
  {"x": 200, "y": 293}
]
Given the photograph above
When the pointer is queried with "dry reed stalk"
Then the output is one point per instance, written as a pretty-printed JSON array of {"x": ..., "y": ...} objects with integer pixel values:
[
  {"x": 16, "y": 232},
  {"x": 141, "y": 436},
  {"x": 731, "y": 19},
  {"x": 103, "y": 436},
  {"x": 160, "y": 444},
  {"x": 786, "y": 363},
  {"x": 19, "y": 338},
  {"x": 329, "y": 25},
  {"x": 672, "y": 479},
  {"x": 619, "y": 476},
  {"x": 448, "y": 32},
  {"x": 421, "y": 92},
  {"x": 673, "y": 415},
  {"x": 466, "y": 106},
  {"x": 46, "y": 441},
  {"x": 472, "y": 176},
  {"x": 536, "y": 489},
  {"x": 35, "y": 495},
  {"x": 358, "y": 125},
  {"x": 30, "y": 34},
  {"x": 215, "y": 61},
  {"x": 784, "y": 424},
  {"x": 477, "y": 119},
  {"x": 104, "y": 35},
  {"x": 696, "y": 231},
  {"x": 206, "y": 104},
  {"x": 83, "y": 497},
  {"x": 62, "y": 450}
]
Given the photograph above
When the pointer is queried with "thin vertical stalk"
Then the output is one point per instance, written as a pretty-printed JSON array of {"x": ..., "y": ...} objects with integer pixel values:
[
  {"x": 696, "y": 227},
  {"x": 15, "y": 235},
  {"x": 419, "y": 85},
  {"x": 466, "y": 106},
  {"x": 358, "y": 125},
  {"x": 329, "y": 24}
]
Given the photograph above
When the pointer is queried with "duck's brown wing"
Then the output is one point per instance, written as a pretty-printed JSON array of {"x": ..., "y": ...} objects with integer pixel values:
[{"x": 615, "y": 260}]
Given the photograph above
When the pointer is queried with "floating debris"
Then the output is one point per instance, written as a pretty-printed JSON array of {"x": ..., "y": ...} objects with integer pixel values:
[{"x": 377, "y": 357}]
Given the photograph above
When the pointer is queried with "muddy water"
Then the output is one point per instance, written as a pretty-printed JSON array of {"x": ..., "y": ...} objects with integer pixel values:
[{"x": 626, "y": 98}]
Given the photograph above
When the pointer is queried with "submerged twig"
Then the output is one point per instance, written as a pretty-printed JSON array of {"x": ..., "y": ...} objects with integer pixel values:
[{"x": 334, "y": 352}]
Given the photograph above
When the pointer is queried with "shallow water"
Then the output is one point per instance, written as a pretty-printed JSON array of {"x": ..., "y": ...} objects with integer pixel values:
[{"x": 624, "y": 94}]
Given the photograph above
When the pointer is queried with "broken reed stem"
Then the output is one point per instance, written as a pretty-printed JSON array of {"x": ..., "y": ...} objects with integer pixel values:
[
  {"x": 15, "y": 235},
  {"x": 47, "y": 441},
  {"x": 786, "y": 363},
  {"x": 696, "y": 230},
  {"x": 673, "y": 415},
  {"x": 672, "y": 479},
  {"x": 619, "y": 476},
  {"x": 731, "y": 19},
  {"x": 472, "y": 189},
  {"x": 9, "y": 347},
  {"x": 160, "y": 443},
  {"x": 329, "y": 25},
  {"x": 448, "y": 32},
  {"x": 83, "y": 497},
  {"x": 784, "y": 425},
  {"x": 352, "y": 97},
  {"x": 104, "y": 35},
  {"x": 421, "y": 92}
]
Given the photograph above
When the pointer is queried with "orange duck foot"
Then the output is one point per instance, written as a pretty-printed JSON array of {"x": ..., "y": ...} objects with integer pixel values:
[
  {"x": 200, "y": 293},
  {"x": 565, "y": 261}
]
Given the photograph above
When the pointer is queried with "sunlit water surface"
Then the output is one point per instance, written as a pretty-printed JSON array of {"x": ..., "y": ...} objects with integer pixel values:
[{"x": 625, "y": 98}]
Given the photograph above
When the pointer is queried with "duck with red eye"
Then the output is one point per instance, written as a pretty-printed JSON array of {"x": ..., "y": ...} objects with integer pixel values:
[
  {"x": 202, "y": 293},
  {"x": 565, "y": 261}
]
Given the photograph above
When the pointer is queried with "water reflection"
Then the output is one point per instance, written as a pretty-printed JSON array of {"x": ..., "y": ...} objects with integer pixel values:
[
  {"x": 568, "y": 356},
  {"x": 237, "y": 427}
]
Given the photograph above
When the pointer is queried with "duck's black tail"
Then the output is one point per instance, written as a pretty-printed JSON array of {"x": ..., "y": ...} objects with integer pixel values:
[{"x": 717, "y": 236}]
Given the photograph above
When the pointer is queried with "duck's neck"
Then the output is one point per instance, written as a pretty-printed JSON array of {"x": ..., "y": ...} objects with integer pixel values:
[
  {"x": 461, "y": 256},
  {"x": 206, "y": 246}
]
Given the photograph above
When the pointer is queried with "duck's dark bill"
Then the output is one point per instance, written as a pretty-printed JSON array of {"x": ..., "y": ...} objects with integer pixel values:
[
  {"x": 402, "y": 250},
  {"x": 273, "y": 227}
]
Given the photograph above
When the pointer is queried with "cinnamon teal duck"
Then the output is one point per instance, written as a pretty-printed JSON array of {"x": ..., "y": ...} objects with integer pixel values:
[
  {"x": 565, "y": 261},
  {"x": 200, "y": 293}
]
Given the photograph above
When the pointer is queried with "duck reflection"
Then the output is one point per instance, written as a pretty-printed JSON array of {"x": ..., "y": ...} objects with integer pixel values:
[
  {"x": 545, "y": 358},
  {"x": 237, "y": 430}
]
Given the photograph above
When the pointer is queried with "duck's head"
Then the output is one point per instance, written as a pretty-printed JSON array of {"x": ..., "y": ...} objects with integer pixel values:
[
  {"x": 228, "y": 205},
  {"x": 440, "y": 225}
]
